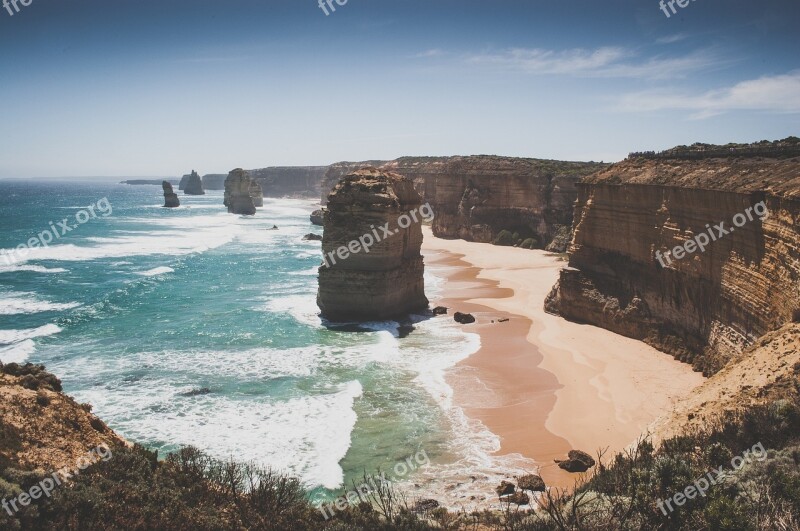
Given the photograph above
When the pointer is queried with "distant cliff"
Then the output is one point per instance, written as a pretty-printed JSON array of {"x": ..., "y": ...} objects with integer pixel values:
[
  {"x": 214, "y": 181},
  {"x": 707, "y": 307},
  {"x": 290, "y": 181}
]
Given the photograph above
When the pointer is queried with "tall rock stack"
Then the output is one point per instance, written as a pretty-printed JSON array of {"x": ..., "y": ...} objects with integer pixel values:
[
  {"x": 386, "y": 280},
  {"x": 237, "y": 193},
  {"x": 170, "y": 197},
  {"x": 256, "y": 193},
  {"x": 194, "y": 185}
]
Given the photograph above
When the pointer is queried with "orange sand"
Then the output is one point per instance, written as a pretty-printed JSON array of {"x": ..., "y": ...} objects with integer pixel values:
[{"x": 545, "y": 385}]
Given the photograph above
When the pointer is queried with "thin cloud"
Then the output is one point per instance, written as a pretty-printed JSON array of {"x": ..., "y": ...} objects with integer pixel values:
[
  {"x": 607, "y": 62},
  {"x": 435, "y": 52},
  {"x": 670, "y": 39},
  {"x": 776, "y": 94}
]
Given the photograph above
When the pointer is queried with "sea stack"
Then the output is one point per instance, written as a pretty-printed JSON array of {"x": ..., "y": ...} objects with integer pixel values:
[
  {"x": 256, "y": 193},
  {"x": 194, "y": 185},
  {"x": 237, "y": 193},
  {"x": 369, "y": 274},
  {"x": 170, "y": 197}
]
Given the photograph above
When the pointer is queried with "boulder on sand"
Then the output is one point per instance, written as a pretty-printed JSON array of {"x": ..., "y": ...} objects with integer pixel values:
[{"x": 578, "y": 462}]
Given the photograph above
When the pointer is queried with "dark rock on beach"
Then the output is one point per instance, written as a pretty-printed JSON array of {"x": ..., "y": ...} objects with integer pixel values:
[
  {"x": 531, "y": 482},
  {"x": 578, "y": 462},
  {"x": 464, "y": 318},
  {"x": 505, "y": 488},
  {"x": 440, "y": 310},
  {"x": 170, "y": 197}
]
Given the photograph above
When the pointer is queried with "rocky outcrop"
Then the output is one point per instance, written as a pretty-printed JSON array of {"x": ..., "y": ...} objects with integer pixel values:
[
  {"x": 290, "y": 181},
  {"x": 41, "y": 427},
  {"x": 318, "y": 217},
  {"x": 170, "y": 198},
  {"x": 194, "y": 185},
  {"x": 336, "y": 172},
  {"x": 387, "y": 281},
  {"x": 237, "y": 193},
  {"x": 214, "y": 181},
  {"x": 183, "y": 181},
  {"x": 257, "y": 194},
  {"x": 577, "y": 461},
  {"x": 709, "y": 306}
]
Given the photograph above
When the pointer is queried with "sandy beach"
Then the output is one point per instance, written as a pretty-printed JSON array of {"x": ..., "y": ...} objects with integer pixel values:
[{"x": 542, "y": 384}]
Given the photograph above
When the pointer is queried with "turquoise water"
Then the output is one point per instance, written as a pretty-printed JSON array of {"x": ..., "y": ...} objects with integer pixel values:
[{"x": 195, "y": 326}]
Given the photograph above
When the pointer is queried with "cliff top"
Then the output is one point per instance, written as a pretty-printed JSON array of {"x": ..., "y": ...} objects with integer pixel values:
[
  {"x": 478, "y": 164},
  {"x": 41, "y": 427},
  {"x": 372, "y": 186},
  {"x": 743, "y": 174}
]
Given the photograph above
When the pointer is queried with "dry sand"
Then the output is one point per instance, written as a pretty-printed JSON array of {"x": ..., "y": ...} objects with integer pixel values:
[{"x": 545, "y": 385}]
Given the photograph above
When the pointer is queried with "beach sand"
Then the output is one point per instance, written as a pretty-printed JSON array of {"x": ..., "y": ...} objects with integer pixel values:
[{"x": 542, "y": 384}]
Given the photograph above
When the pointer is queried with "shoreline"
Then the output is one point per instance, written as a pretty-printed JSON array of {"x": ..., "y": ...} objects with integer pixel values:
[{"x": 542, "y": 384}]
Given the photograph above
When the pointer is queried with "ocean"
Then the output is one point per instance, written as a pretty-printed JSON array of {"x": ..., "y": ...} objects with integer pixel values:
[{"x": 192, "y": 326}]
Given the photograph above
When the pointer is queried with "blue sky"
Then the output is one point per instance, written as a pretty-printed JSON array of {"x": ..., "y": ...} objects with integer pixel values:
[{"x": 124, "y": 88}]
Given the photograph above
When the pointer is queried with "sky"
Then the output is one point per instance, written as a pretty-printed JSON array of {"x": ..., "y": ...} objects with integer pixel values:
[{"x": 157, "y": 88}]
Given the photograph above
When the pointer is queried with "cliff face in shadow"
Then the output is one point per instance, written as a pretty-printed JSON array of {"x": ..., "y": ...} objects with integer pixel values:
[
  {"x": 476, "y": 198},
  {"x": 376, "y": 281},
  {"x": 290, "y": 181},
  {"x": 708, "y": 306}
]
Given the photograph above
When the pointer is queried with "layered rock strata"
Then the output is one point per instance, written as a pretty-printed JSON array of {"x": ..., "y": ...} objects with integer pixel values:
[
  {"x": 709, "y": 306},
  {"x": 194, "y": 185},
  {"x": 387, "y": 281},
  {"x": 237, "y": 193},
  {"x": 477, "y": 198},
  {"x": 170, "y": 197}
]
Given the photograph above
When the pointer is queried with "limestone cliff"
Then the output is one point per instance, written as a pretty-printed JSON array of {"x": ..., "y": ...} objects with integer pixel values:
[
  {"x": 257, "y": 194},
  {"x": 476, "y": 198},
  {"x": 237, "y": 193},
  {"x": 709, "y": 306},
  {"x": 290, "y": 181},
  {"x": 194, "y": 185},
  {"x": 335, "y": 172},
  {"x": 170, "y": 197},
  {"x": 385, "y": 280}
]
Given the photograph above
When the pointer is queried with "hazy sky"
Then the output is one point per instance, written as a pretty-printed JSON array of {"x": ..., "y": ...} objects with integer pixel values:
[{"x": 124, "y": 88}]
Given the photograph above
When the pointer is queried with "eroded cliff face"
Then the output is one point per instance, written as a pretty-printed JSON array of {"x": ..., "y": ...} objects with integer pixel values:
[
  {"x": 336, "y": 172},
  {"x": 257, "y": 194},
  {"x": 385, "y": 280},
  {"x": 476, "y": 198},
  {"x": 290, "y": 181},
  {"x": 237, "y": 193},
  {"x": 707, "y": 307}
]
